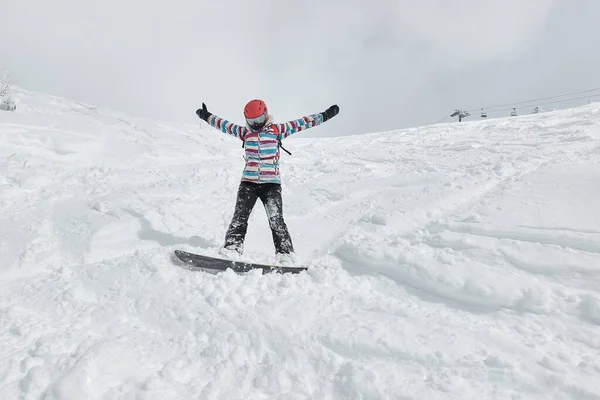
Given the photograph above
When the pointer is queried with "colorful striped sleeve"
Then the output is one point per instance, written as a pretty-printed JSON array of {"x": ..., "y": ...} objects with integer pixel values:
[
  {"x": 227, "y": 127},
  {"x": 289, "y": 128}
]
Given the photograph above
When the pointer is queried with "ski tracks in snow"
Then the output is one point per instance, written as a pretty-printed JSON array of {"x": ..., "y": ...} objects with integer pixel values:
[{"x": 464, "y": 241}]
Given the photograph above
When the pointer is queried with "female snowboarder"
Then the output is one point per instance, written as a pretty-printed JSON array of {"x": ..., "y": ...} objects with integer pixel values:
[{"x": 260, "y": 179}]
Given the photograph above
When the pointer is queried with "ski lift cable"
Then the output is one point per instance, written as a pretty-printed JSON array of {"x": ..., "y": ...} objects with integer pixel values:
[
  {"x": 441, "y": 120},
  {"x": 492, "y": 108},
  {"x": 553, "y": 102}
]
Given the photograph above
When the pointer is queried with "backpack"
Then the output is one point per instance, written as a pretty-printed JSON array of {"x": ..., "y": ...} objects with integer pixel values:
[{"x": 276, "y": 129}]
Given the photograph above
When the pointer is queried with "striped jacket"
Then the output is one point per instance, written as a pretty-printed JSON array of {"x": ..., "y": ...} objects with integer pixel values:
[{"x": 261, "y": 147}]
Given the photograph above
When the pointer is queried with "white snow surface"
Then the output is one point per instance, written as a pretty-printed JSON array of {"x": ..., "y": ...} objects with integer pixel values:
[{"x": 456, "y": 261}]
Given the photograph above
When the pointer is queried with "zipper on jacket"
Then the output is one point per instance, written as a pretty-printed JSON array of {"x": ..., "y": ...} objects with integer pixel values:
[{"x": 259, "y": 157}]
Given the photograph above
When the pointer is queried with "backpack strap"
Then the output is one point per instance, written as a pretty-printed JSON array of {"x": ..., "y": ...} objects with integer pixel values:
[{"x": 276, "y": 129}]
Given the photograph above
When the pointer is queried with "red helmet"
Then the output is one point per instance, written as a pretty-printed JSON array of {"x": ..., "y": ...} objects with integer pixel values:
[
  {"x": 256, "y": 113},
  {"x": 255, "y": 108}
]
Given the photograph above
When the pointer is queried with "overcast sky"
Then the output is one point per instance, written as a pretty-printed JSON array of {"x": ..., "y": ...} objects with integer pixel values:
[{"x": 387, "y": 63}]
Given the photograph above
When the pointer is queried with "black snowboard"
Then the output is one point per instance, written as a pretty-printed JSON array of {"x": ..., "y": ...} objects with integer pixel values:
[{"x": 199, "y": 262}]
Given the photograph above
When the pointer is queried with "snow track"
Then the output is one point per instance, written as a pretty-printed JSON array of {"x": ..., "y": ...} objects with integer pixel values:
[{"x": 454, "y": 261}]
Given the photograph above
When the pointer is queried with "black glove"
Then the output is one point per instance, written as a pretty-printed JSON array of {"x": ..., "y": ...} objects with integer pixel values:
[
  {"x": 330, "y": 112},
  {"x": 203, "y": 112}
]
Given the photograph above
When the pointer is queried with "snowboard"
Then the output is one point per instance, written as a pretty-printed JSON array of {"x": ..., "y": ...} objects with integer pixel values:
[{"x": 197, "y": 262}]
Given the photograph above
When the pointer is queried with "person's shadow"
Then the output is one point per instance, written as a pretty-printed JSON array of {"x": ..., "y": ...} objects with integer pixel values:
[{"x": 166, "y": 239}]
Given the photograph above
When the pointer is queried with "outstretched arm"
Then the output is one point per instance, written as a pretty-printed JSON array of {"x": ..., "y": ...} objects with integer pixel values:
[
  {"x": 221, "y": 124},
  {"x": 307, "y": 122}
]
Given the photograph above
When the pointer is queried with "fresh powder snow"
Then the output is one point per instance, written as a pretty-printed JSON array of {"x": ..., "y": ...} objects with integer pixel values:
[{"x": 455, "y": 261}]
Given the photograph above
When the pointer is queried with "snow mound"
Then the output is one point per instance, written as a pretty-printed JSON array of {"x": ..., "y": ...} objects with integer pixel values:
[{"x": 458, "y": 261}]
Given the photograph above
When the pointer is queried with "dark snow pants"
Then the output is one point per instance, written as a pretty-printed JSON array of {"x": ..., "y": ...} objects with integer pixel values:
[{"x": 270, "y": 196}]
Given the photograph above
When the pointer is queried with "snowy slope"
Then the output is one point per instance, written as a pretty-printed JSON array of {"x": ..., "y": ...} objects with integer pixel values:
[{"x": 458, "y": 261}]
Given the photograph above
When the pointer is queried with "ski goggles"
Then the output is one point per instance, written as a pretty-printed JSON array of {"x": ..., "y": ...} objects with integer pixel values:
[{"x": 257, "y": 122}]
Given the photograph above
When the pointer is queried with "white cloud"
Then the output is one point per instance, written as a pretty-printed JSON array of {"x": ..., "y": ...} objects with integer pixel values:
[
  {"x": 373, "y": 58},
  {"x": 475, "y": 30}
]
